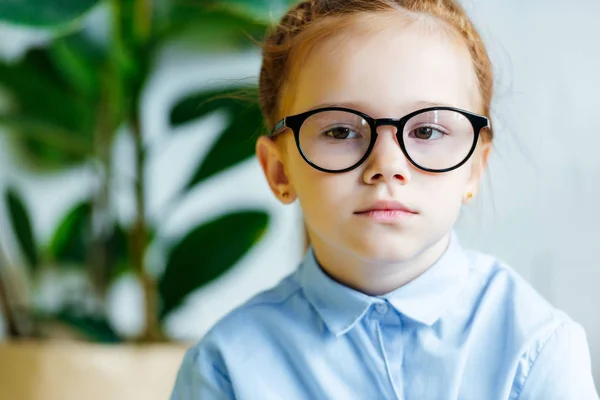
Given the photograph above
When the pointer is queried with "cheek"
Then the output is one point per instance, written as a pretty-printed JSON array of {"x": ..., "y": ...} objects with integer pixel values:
[
  {"x": 321, "y": 195},
  {"x": 443, "y": 194},
  {"x": 324, "y": 192}
]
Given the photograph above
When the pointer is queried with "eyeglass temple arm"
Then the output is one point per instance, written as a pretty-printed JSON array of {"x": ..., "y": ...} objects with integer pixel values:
[{"x": 278, "y": 128}]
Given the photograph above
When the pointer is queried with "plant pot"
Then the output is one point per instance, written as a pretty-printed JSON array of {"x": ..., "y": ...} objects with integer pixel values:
[{"x": 48, "y": 370}]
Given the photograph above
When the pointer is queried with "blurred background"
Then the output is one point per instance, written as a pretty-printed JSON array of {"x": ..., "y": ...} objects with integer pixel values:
[{"x": 134, "y": 215}]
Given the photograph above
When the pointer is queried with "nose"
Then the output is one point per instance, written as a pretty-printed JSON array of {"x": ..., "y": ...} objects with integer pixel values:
[{"x": 387, "y": 162}]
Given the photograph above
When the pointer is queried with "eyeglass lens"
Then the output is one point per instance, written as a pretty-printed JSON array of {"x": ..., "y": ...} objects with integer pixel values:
[{"x": 434, "y": 139}]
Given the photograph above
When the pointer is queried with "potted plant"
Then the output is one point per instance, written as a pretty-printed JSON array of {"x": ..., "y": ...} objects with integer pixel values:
[{"x": 68, "y": 100}]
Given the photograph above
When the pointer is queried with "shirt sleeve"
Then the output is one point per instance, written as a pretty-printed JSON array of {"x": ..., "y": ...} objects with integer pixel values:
[
  {"x": 562, "y": 368},
  {"x": 202, "y": 376}
]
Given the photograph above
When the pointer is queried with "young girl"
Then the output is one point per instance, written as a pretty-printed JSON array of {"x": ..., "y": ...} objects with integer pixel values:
[{"x": 381, "y": 130}]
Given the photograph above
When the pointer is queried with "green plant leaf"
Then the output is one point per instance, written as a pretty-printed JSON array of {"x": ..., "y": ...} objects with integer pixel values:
[
  {"x": 236, "y": 143},
  {"x": 49, "y": 109},
  {"x": 204, "y": 102},
  {"x": 207, "y": 252},
  {"x": 44, "y": 13},
  {"x": 21, "y": 223},
  {"x": 265, "y": 11},
  {"x": 71, "y": 242},
  {"x": 78, "y": 60},
  {"x": 39, "y": 89},
  {"x": 50, "y": 136},
  {"x": 209, "y": 26}
]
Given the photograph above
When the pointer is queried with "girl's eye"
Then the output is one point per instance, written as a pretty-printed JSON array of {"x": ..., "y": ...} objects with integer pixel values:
[
  {"x": 341, "y": 133},
  {"x": 426, "y": 133}
]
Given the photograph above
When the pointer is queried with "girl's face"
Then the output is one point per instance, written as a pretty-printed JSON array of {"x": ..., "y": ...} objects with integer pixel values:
[{"x": 386, "y": 74}]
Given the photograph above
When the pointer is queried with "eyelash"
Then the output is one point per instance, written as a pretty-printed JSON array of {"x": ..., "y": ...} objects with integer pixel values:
[{"x": 433, "y": 127}]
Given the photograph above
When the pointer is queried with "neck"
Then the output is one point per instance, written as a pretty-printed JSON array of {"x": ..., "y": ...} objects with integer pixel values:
[{"x": 373, "y": 277}]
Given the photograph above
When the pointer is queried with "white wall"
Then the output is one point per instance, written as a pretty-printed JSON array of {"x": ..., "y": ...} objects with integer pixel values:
[{"x": 538, "y": 210}]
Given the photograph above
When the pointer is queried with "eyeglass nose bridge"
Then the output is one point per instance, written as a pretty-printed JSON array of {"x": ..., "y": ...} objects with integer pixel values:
[
  {"x": 398, "y": 123},
  {"x": 387, "y": 122}
]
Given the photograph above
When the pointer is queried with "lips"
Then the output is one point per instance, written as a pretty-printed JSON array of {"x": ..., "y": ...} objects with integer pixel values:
[
  {"x": 387, "y": 212},
  {"x": 388, "y": 206}
]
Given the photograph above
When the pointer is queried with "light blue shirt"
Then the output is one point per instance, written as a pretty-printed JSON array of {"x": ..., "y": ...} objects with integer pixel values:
[{"x": 467, "y": 328}]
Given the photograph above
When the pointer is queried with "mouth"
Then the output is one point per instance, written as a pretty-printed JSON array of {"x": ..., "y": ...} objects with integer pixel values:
[{"x": 386, "y": 211}]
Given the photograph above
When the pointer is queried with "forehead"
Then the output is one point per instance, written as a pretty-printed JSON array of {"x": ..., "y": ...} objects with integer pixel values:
[{"x": 386, "y": 71}]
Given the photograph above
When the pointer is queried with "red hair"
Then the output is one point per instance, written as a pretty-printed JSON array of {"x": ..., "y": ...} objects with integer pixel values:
[{"x": 309, "y": 22}]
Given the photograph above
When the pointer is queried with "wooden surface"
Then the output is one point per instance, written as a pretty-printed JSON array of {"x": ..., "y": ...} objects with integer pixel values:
[{"x": 77, "y": 371}]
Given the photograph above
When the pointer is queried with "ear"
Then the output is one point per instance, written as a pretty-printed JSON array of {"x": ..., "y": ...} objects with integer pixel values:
[
  {"x": 272, "y": 161},
  {"x": 480, "y": 160}
]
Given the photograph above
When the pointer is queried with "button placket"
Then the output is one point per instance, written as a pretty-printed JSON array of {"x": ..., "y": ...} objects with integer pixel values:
[{"x": 380, "y": 312}]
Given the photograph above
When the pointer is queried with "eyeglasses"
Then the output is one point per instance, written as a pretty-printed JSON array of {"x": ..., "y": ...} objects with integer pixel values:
[{"x": 338, "y": 139}]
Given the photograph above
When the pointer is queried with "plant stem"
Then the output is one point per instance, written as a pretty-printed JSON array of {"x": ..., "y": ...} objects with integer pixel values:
[
  {"x": 101, "y": 228},
  {"x": 11, "y": 322},
  {"x": 140, "y": 235},
  {"x": 5, "y": 301},
  {"x": 141, "y": 50}
]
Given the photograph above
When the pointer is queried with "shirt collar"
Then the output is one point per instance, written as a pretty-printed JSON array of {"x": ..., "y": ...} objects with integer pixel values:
[
  {"x": 427, "y": 297},
  {"x": 423, "y": 299}
]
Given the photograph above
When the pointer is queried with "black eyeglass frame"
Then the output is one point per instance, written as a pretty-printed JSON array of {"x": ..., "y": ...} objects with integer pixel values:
[{"x": 294, "y": 122}]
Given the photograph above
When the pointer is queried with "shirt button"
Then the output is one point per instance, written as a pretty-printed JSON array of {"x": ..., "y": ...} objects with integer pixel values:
[{"x": 381, "y": 308}]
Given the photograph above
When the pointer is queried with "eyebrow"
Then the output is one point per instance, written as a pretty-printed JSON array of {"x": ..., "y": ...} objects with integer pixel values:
[
  {"x": 425, "y": 103},
  {"x": 361, "y": 107}
]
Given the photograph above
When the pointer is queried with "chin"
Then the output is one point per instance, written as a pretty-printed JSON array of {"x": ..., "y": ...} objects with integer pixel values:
[{"x": 388, "y": 248}]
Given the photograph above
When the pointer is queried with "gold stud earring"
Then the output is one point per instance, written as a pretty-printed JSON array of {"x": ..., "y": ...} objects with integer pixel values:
[{"x": 469, "y": 195}]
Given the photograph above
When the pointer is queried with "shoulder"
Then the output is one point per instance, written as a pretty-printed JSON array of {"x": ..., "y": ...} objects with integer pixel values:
[
  {"x": 549, "y": 350},
  {"x": 556, "y": 366},
  {"x": 265, "y": 304},
  {"x": 250, "y": 322},
  {"x": 232, "y": 346},
  {"x": 495, "y": 284},
  {"x": 495, "y": 276}
]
